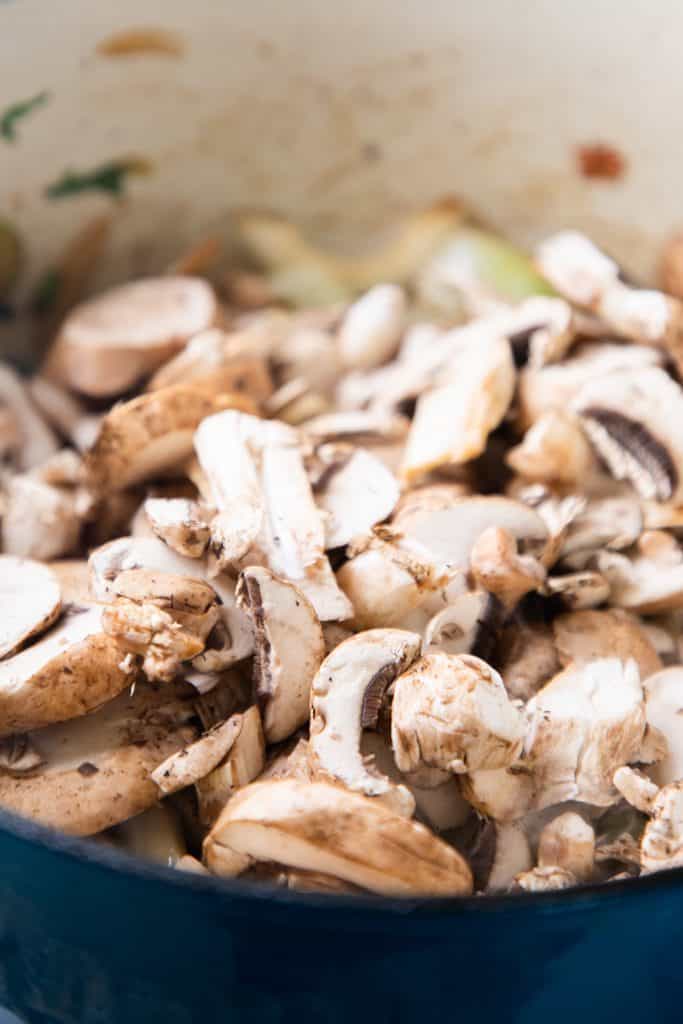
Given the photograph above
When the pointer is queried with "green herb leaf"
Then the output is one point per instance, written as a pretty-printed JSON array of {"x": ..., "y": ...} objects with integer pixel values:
[
  {"x": 110, "y": 177},
  {"x": 14, "y": 113}
]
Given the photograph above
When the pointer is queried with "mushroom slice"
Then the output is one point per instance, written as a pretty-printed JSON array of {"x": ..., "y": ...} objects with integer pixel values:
[
  {"x": 319, "y": 826},
  {"x": 664, "y": 710},
  {"x": 357, "y": 427},
  {"x": 543, "y": 879},
  {"x": 454, "y": 419},
  {"x": 356, "y": 491},
  {"x": 39, "y": 521},
  {"x": 648, "y": 581},
  {"x": 583, "y": 725},
  {"x": 245, "y": 760},
  {"x": 503, "y": 794},
  {"x": 452, "y": 712},
  {"x": 636, "y": 788},
  {"x": 64, "y": 412},
  {"x": 35, "y": 441},
  {"x": 553, "y": 450},
  {"x": 180, "y": 523},
  {"x": 568, "y": 842},
  {"x": 233, "y": 486},
  {"x": 449, "y": 533},
  {"x": 106, "y": 345},
  {"x": 150, "y": 435},
  {"x": 499, "y": 853},
  {"x": 525, "y": 656},
  {"x": 70, "y": 670},
  {"x": 496, "y": 566},
  {"x": 73, "y": 578},
  {"x": 554, "y": 387},
  {"x": 634, "y": 418},
  {"x": 346, "y": 697},
  {"x": 213, "y": 362},
  {"x": 578, "y": 590},
  {"x": 289, "y": 648},
  {"x": 18, "y": 755},
  {"x": 585, "y": 636},
  {"x": 187, "y": 766},
  {"x": 543, "y": 325},
  {"x": 30, "y": 598},
  {"x": 386, "y": 580},
  {"x": 96, "y": 768},
  {"x": 371, "y": 330},
  {"x": 612, "y": 523},
  {"x": 662, "y": 843},
  {"x": 469, "y": 625}
]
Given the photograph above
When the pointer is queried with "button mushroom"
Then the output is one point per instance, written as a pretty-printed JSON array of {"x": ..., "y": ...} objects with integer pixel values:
[{"x": 31, "y": 600}]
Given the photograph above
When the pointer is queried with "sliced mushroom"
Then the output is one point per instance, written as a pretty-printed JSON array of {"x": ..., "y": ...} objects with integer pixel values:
[
  {"x": 18, "y": 755},
  {"x": 633, "y": 418},
  {"x": 585, "y": 636},
  {"x": 503, "y": 794},
  {"x": 70, "y": 670},
  {"x": 499, "y": 853},
  {"x": 73, "y": 577},
  {"x": 568, "y": 842},
  {"x": 371, "y": 330},
  {"x": 553, "y": 450},
  {"x": 469, "y": 625},
  {"x": 180, "y": 523},
  {"x": 346, "y": 697},
  {"x": 543, "y": 879},
  {"x": 244, "y": 762},
  {"x": 650, "y": 579},
  {"x": 496, "y": 566},
  {"x": 662, "y": 843},
  {"x": 289, "y": 649},
  {"x": 453, "y": 420},
  {"x": 578, "y": 590},
  {"x": 583, "y": 725},
  {"x": 525, "y": 656},
  {"x": 452, "y": 712},
  {"x": 358, "y": 427},
  {"x": 319, "y": 826},
  {"x": 31, "y": 600},
  {"x": 450, "y": 533},
  {"x": 355, "y": 492},
  {"x": 64, "y": 412},
  {"x": 554, "y": 387},
  {"x": 34, "y": 440},
  {"x": 188, "y": 766},
  {"x": 636, "y": 788},
  {"x": 106, "y": 345},
  {"x": 613, "y": 523},
  {"x": 150, "y": 435},
  {"x": 96, "y": 768},
  {"x": 39, "y": 521},
  {"x": 213, "y": 362},
  {"x": 664, "y": 709}
]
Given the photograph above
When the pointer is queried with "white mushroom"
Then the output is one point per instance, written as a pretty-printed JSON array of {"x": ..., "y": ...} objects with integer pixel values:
[
  {"x": 634, "y": 418},
  {"x": 106, "y": 345},
  {"x": 662, "y": 844},
  {"x": 496, "y": 566},
  {"x": 355, "y": 492},
  {"x": 372, "y": 327},
  {"x": 583, "y": 725},
  {"x": 319, "y": 826},
  {"x": 30, "y": 598},
  {"x": 452, "y": 712},
  {"x": 636, "y": 788},
  {"x": 499, "y": 853},
  {"x": 525, "y": 656},
  {"x": 187, "y": 766},
  {"x": 578, "y": 590},
  {"x": 346, "y": 697},
  {"x": 95, "y": 768},
  {"x": 585, "y": 636},
  {"x": 180, "y": 523},
  {"x": 649, "y": 579},
  {"x": 64, "y": 412},
  {"x": 245, "y": 760},
  {"x": 35, "y": 441},
  {"x": 543, "y": 879},
  {"x": 289, "y": 648},
  {"x": 553, "y": 450},
  {"x": 664, "y": 710},
  {"x": 568, "y": 842},
  {"x": 503, "y": 794},
  {"x": 453, "y": 420},
  {"x": 358, "y": 427},
  {"x": 613, "y": 523},
  {"x": 468, "y": 625},
  {"x": 39, "y": 521}
]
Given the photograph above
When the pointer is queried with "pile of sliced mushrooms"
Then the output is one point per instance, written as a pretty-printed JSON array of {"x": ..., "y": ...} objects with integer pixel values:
[{"x": 354, "y": 575}]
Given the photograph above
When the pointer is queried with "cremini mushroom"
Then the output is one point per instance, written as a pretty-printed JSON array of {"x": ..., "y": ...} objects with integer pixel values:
[
  {"x": 71, "y": 669},
  {"x": 498, "y": 853},
  {"x": 95, "y": 769},
  {"x": 289, "y": 648},
  {"x": 39, "y": 521},
  {"x": 469, "y": 624},
  {"x": 180, "y": 523},
  {"x": 452, "y": 712},
  {"x": 553, "y": 450},
  {"x": 319, "y": 826},
  {"x": 355, "y": 492},
  {"x": 585, "y": 636},
  {"x": 578, "y": 590},
  {"x": 526, "y": 656},
  {"x": 372, "y": 327},
  {"x": 243, "y": 762},
  {"x": 31, "y": 600},
  {"x": 346, "y": 697},
  {"x": 649, "y": 578},
  {"x": 496, "y": 566},
  {"x": 636, "y": 788},
  {"x": 108, "y": 344},
  {"x": 31, "y": 438},
  {"x": 189, "y": 765}
]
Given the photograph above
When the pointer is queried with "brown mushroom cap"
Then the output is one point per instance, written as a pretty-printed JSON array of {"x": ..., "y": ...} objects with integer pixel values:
[
  {"x": 107, "y": 344},
  {"x": 319, "y": 826},
  {"x": 69, "y": 671},
  {"x": 96, "y": 769},
  {"x": 584, "y": 636},
  {"x": 30, "y": 599}
]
